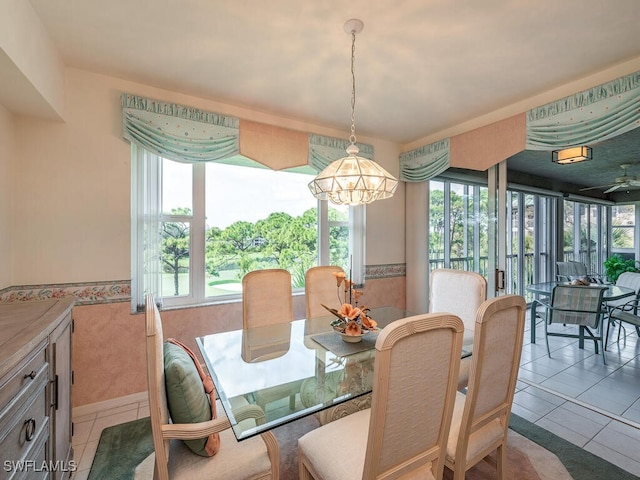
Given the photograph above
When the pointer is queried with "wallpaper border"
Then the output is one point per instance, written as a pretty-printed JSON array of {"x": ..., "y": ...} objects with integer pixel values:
[{"x": 91, "y": 293}]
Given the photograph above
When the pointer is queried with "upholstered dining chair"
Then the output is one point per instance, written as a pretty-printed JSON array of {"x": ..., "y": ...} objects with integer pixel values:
[
  {"x": 267, "y": 300},
  {"x": 481, "y": 417},
  {"x": 320, "y": 288},
  {"x": 406, "y": 429},
  {"x": 266, "y": 297},
  {"x": 573, "y": 305},
  {"x": 459, "y": 292},
  {"x": 257, "y": 457}
]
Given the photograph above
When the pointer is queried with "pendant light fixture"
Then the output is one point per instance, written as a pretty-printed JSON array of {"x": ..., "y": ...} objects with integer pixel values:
[{"x": 353, "y": 180}]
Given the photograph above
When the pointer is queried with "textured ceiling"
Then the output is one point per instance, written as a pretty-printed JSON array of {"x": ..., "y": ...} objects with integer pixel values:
[{"x": 422, "y": 66}]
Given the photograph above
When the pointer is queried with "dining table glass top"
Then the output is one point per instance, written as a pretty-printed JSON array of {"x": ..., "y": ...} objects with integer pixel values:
[{"x": 291, "y": 370}]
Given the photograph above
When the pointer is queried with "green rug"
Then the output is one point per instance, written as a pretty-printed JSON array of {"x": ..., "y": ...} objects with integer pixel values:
[
  {"x": 121, "y": 449},
  {"x": 580, "y": 464}
]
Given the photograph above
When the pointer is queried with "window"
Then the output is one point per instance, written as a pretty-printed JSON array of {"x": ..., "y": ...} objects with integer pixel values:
[
  {"x": 623, "y": 222},
  {"x": 218, "y": 221}
]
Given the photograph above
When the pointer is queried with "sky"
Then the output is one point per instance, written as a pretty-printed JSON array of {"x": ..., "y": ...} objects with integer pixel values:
[{"x": 238, "y": 193}]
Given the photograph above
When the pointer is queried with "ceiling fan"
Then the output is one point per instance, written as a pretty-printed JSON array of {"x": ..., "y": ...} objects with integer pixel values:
[{"x": 623, "y": 181}]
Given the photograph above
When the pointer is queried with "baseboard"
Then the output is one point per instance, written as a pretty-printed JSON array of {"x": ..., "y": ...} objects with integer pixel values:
[{"x": 97, "y": 407}]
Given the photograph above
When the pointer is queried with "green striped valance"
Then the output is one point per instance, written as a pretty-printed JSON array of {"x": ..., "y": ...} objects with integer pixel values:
[
  {"x": 324, "y": 150},
  {"x": 177, "y": 132},
  {"x": 586, "y": 117},
  {"x": 425, "y": 162}
]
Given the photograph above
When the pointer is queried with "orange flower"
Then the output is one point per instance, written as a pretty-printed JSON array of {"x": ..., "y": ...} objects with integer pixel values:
[
  {"x": 357, "y": 294},
  {"x": 368, "y": 323},
  {"x": 348, "y": 311},
  {"x": 340, "y": 277},
  {"x": 353, "y": 328}
]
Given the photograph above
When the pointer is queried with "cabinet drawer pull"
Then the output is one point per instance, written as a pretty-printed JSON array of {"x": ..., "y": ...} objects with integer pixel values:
[
  {"x": 31, "y": 375},
  {"x": 30, "y": 431}
]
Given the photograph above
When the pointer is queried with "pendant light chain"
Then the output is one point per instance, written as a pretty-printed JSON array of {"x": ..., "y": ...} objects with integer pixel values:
[{"x": 352, "y": 138}]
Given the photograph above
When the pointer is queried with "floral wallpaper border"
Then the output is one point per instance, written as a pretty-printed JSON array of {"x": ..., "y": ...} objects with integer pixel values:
[
  {"x": 385, "y": 271},
  {"x": 90, "y": 293}
]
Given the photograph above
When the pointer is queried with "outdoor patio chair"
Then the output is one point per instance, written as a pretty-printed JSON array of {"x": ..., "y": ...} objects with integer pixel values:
[
  {"x": 568, "y": 271},
  {"x": 573, "y": 305},
  {"x": 624, "y": 310}
]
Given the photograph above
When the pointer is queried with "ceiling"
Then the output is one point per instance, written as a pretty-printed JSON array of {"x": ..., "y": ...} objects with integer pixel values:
[{"x": 422, "y": 66}]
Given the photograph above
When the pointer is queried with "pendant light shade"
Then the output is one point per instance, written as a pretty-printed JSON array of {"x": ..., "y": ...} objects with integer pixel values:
[{"x": 353, "y": 180}]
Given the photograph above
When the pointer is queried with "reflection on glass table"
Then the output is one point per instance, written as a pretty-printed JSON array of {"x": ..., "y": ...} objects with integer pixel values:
[{"x": 291, "y": 370}]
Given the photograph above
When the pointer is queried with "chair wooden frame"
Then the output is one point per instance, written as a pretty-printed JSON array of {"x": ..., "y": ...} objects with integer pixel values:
[
  {"x": 164, "y": 431},
  {"x": 483, "y": 413}
]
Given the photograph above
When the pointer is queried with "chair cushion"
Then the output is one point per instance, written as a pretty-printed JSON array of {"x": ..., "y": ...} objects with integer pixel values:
[
  {"x": 478, "y": 441},
  {"x": 235, "y": 460},
  {"x": 186, "y": 398},
  {"x": 347, "y": 463}
]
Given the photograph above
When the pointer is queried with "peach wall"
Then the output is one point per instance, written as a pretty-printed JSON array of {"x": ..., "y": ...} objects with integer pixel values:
[
  {"x": 73, "y": 186},
  {"x": 6, "y": 160},
  {"x": 486, "y": 146},
  {"x": 109, "y": 344}
]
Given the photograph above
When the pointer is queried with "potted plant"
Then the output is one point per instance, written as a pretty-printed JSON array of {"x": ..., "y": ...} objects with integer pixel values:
[{"x": 616, "y": 265}]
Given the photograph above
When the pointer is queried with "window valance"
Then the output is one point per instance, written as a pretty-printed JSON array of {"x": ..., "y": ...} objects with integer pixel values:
[
  {"x": 589, "y": 116},
  {"x": 324, "y": 150},
  {"x": 425, "y": 162},
  {"x": 177, "y": 132}
]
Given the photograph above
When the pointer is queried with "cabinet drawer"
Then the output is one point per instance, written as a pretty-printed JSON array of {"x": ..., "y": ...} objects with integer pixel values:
[
  {"x": 24, "y": 424},
  {"x": 34, "y": 465},
  {"x": 22, "y": 375}
]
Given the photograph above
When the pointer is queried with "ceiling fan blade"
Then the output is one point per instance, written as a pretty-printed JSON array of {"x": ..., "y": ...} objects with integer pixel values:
[
  {"x": 615, "y": 187},
  {"x": 599, "y": 186}
]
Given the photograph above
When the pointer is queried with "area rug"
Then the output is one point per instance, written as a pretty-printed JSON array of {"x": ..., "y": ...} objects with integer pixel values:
[
  {"x": 125, "y": 453},
  {"x": 120, "y": 449}
]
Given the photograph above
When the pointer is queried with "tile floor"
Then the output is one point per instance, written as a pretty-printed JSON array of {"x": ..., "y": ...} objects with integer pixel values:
[{"x": 573, "y": 394}]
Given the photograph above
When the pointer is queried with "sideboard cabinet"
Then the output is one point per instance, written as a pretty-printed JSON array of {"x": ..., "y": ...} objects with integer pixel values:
[{"x": 35, "y": 389}]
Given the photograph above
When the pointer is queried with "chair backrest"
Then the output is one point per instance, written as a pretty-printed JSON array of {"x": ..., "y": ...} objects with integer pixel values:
[
  {"x": 497, "y": 346},
  {"x": 576, "y": 305},
  {"x": 629, "y": 280},
  {"x": 416, "y": 375},
  {"x": 459, "y": 292},
  {"x": 320, "y": 287},
  {"x": 566, "y": 271},
  {"x": 266, "y": 297},
  {"x": 158, "y": 408}
]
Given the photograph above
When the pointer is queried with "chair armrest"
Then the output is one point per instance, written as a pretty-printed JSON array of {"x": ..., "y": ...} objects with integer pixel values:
[
  {"x": 249, "y": 411},
  {"x": 190, "y": 431},
  {"x": 627, "y": 318},
  {"x": 630, "y": 306}
]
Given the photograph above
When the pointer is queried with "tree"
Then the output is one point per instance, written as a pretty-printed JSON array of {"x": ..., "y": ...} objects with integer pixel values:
[{"x": 175, "y": 246}]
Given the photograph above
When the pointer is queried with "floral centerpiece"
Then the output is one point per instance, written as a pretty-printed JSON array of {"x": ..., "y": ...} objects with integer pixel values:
[{"x": 352, "y": 320}]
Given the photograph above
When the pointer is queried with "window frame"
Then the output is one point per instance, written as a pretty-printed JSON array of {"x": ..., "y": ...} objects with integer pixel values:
[{"x": 197, "y": 229}]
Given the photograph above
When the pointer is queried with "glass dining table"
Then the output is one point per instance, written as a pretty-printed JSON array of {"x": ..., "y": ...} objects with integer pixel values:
[
  {"x": 292, "y": 370},
  {"x": 545, "y": 289}
]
